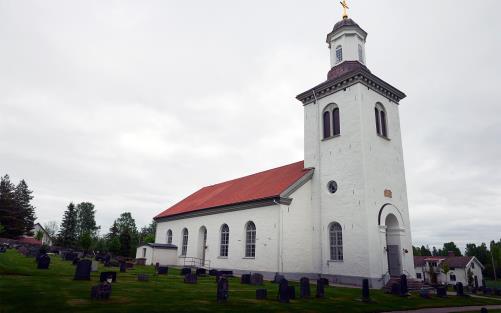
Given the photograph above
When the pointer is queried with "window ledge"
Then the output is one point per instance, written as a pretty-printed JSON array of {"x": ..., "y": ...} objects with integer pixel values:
[
  {"x": 327, "y": 138},
  {"x": 182, "y": 256},
  {"x": 384, "y": 137},
  {"x": 335, "y": 261},
  {"x": 222, "y": 257},
  {"x": 249, "y": 257}
]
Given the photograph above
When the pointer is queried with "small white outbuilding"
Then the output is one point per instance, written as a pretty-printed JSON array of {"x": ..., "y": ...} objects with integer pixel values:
[{"x": 164, "y": 254}]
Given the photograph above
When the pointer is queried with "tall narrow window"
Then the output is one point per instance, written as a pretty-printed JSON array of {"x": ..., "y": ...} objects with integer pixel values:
[
  {"x": 225, "y": 240},
  {"x": 378, "y": 127},
  {"x": 383, "y": 124},
  {"x": 335, "y": 122},
  {"x": 360, "y": 53},
  {"x": 169, "y": 236},
  {"x": 336, "y": 241},
  {"x": 250, "y": 240},
  {"x": 184, "y": 247},
  {"x": 327, "y": 124},
  {"x": 339, "y": 54}
]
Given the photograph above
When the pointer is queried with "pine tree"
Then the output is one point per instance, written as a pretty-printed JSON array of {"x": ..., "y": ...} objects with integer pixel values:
[
  {"x": 67, "y": 236},
  {"x": 10, "y": 215},
  {"x": 125, "y": 243},
  {"x": 23, "y": 198},
  {"x": 86, "y": 219}
]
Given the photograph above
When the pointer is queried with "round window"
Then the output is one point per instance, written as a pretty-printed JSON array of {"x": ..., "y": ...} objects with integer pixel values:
[{"x": 332, "y": 186}]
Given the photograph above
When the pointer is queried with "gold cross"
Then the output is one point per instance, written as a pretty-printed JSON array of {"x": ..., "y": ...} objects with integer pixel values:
[{"x": 345, "y": 6}]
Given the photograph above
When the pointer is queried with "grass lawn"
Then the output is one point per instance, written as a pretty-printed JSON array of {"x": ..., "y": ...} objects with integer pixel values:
[{"x": 23, "y": 288}]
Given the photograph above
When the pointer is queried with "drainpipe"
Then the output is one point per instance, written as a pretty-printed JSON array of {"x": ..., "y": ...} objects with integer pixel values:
[{"x": 279, "y": 243}]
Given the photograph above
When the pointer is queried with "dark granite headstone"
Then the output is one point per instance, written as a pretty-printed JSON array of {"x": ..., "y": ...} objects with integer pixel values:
[
  {"x": 191, "y": 278},
  {"x": 245, "y": 279},
  {"x": 201, "y": 271},
  {"x": 425, "y": 293},
  {"x": 304, "y": 287},
  {"x": 366, "y": 297},
  {"x": 256, "y": 279},
  {"x": 395, "y": 289},
  {"x": 101, "y": 291},
  {"x": 442, "y": 292},
  {"x": 213, "y": 272},
  {"x": 222, "y": 290},
  {"x": 82, "y": 270},
  {"x": 326, "y": 281},
  {"x": 143, "y": 277},
  {"x": 320, "y": 288},
  {"x": 105, "y": 275},
  {"x": 459, "y": 289},
  {"x": 107, "y": 260},
  {"x": 43, "y": 262},
  {"x": 292, "y": 292},
  {"x": 162, "y": 270},
  {"x": 484, "y": 310},
  {"x": 283, "y": 291},
  {"x": 261, "y": 294},
  {"x": 123, "y": 267},
  {"x": 278, "y": 278},
  {"x": 185, "y": 270},
  {"x": 404, "y": 289},
  {"x": 226, "y": 273}
]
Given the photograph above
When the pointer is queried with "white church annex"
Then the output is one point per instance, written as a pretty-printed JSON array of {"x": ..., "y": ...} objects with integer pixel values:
[{"x": 341, "y": 213}]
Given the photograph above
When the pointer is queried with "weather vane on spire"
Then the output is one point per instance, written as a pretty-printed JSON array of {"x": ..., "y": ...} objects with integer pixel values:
[{"x": 345, "y": 6}]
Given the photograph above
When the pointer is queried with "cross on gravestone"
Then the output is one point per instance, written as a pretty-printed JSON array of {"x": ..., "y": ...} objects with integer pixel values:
[
  {"x": 304, "y": 287},
  {"x": 185, "y": 270},
  {"x": 143, "y": 277},
  {"x": 283, "y": 291},
  {"x": 292, "y": 292},
  {"x": 261, "y": 294},
  {"x": 459, "y": 289},
  {"x": 200, "y": 271},
  {"x": 366, "y": 297},
  {"x": 191, "y": 278},
  {"x": 104, "y": 276},
  {"x": 101, "y": 291},
  {"x": 82, "y": 270},
  {"x": 245, "y": 279},
  {"x": 256, "y": 279},
  {"x": 43, "y": 262},
  {"x": 278, "y": 278},
  {"x": 404, "y": 289},
  {"x": 123, "y": 267},
  {"x": 222, "y": 290},
  {"x": 320, "y": 293}
]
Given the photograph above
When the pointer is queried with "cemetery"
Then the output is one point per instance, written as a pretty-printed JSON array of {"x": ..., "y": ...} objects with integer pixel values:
[{"x": 52, "y": 283}]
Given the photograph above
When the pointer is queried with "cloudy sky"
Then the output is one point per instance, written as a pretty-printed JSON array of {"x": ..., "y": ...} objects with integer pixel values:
[{"x": 133, "y": 105}]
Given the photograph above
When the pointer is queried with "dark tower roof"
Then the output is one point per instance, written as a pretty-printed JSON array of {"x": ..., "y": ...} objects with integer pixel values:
[{"x": 346, "y": 22}]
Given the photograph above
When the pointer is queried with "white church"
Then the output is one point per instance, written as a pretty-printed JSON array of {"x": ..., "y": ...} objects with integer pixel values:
[{"x": 342, "y": 213}]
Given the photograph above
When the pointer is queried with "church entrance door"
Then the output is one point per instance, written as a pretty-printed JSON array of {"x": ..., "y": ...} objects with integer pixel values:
[
  {"x": 393, "y": 246},
  {"x": 395, "y": 268}
]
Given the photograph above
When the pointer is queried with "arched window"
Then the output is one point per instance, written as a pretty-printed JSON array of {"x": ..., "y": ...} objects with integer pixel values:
[
  {"x": 250, "y": 240},
  {"x": 339, "y": 54},
  {"x": 327, "y": 124},
  {"x": 169, "y": 236},
  {"x": 184, "y": 246},
  {"x": 381, "y": 122},
  {"x": 225, "y": 240},
  {"x": 336, "y": 241},
  {"x": 336, "y": 130}
]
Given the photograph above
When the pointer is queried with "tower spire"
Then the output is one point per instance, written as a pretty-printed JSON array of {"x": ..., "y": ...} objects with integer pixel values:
[{"x": 345, "y": 6}]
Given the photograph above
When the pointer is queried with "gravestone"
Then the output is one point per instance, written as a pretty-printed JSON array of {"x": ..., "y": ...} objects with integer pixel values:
[
  {"x": 304, "y": 287},
  {"x": 366, "y": 297},
  {"x": 185, "y": 270},
  {"x": 201, "y": 271},
  {"x": 143, "y": 277},
  {"x": 425, "y": 293},
  {"x": 226, "y": 273},
  {"x": 483, "y": 310},
  {"x": 256, "y": 279},
  {"x": 320, "y": 293},
  {"x": 245, "y": 279},
  {"x": 43, "y": 262},
  {"x": 459, "y": 289},
  {"x": 101, "y": 291},
  {"x": 162, "y": 270},
  {"x": 395, "y": 289},
  {"x": 82, "y": 270},
  {"x": 278, "y": 278},
  {"x": 222, "y": 290},
  {"x": 442, "y": 292},
  {"x": 3, "y": 249},
  {"x": 191, "y": 278},
  {"x": 76, "y": 260},
  {"x": 107, "y": 260},
  {"x": 94, "y": 266},
  {"x": 105, "y": 275},
  {"x": 123, "y": 267},
  {"x": 213, "y": 272},
  {"x": 292, "y": 292},
  {"x": 283, "y": 291},
  {"x": 404, "y": 289},
  {"x": 261, "y": 294},
  {"x": 326, "y": 281}
]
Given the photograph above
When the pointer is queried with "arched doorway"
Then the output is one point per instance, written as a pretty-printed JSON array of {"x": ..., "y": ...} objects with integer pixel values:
[
  {"x": 202, "y": 244},
  {"x": 393, "y": 245}
]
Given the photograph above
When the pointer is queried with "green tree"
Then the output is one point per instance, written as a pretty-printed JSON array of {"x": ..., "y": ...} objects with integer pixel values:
[
  {"x": 125, "y": 243},
  {"x": 23, "y": 197},
  {"x": 147, "y": 233},
  {"x": 425, "y": 251},
  {"x": 86, "y": 241},
  {"x": 10, "y": 216},
  {"x": 67, "y": 236},
  {"x": 39, "y": 235},
  {"x": 86, "y": 219},
  {"x": 1, "y": 229},
  {"x": 101, "y": 245},
  {"x": 444, "y": 266},
  {"x": 416, "y": 251},
  {"x": 450, "y": 247},
  {"x": 114, "y": 245}
]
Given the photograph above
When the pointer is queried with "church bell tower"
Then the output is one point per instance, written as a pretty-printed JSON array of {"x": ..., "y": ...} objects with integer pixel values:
[{"x": 353, "y": 141}]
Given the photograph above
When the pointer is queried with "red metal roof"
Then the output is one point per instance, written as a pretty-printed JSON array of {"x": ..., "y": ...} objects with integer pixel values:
[
  {"x": 263, "y": 185},
  {"x": 30, "y": 240}
]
